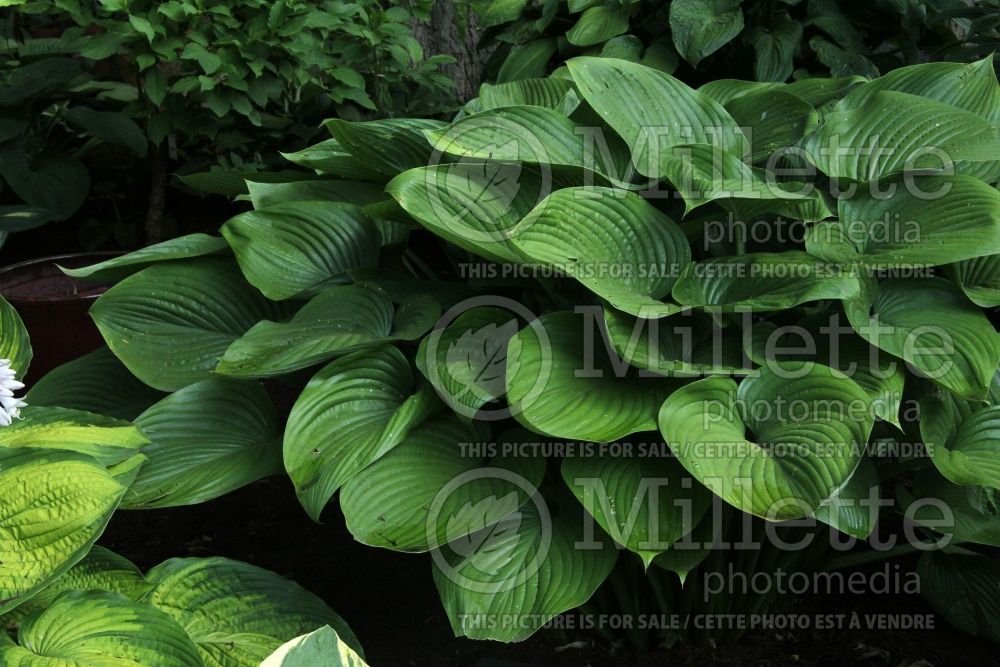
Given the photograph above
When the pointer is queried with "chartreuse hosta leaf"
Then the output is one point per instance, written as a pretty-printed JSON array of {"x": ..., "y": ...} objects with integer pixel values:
[
  {"x": 14, "y": 342},
  {"x": 183, "y": 247},
  {"x": 472, "y": 205},
  {"x": 297, "y": 248},
  {"x": 466, "y": 361},
  {"x": 100, "y": 570},
  {"x": 536, "y": 135},
  {"x": 430, "y": 489},
  {"x": 319, "y": 647},
  {"x": 681, "y": 345},
  {"x": 107, "y": 439},
  {"x": 335, "y": 322},
  {"x": 171, "y": 323},
  {"x": 826, "y": 339},
  {"x": 370, "y": 400},
  {"x": 779, "y": 444},
  {"x": 854, "y": 509},
  {"x": 506, "y": 581},
  {"x": 614, "y": 242},
  {"x": 208, "y": 439},
  {"x": 644, "y": 503},
  {"x": 56, "y": 504},
  {"x": 561, "y": 385},
  {"x": 390, "y": 146},
  {"x": 892, "y": 132},
  {"x": 928, "y": 323},
  {"x": 765, "y": 281},
  {"x": 929, "y": 221},
  {"x": 100, "y": 628},
  {"x": 237, "y": 613},
  {"x": 96, "y": 382},
  {"x": 962, "y": 587},
  {"x": 979, "y": 278}
]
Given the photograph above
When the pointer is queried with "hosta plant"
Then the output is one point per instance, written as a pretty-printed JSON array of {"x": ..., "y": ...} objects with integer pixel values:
[{"x": 586, "y": 344}]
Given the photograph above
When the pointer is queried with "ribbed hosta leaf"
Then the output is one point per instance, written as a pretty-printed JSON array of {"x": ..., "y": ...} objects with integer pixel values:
[
  {"x": 560, "y": 385},
  {"x": 899, "y": 132},
  {"x": 389, "y": 146},
  {"x": 107, "y": 439},
  {"x": 645, "y": 100},
  {"x": 507, "y": 580},
  {"x": 979, "y": 278},
  {"x": 644, "y": 504},
  {"x": 778, "y": 445},
  {"x": 320, "y": 647},
  {"x": 679, "y": 346},
  {"x": 265, "y": 194},
  {"x": 936, "y": 220},
  {"x": 472, "y": 205},
  {"x": 854, "y": 509},
  {"x": 171, "y": 323},
  {"x": 965, "y": 448},
  {"x": 100, "y": 628},
  {"x": 535, "y": 135},
  {"x": 466, "y": 361},
  {"x": 929, "y": 323},
  {"x": 963, "y": 588},
  {"x": 772, "y": 120},
  {"x": 724, "y": 91},
  {"x": 184, "y": 247},
  {"x": 237, "y": 613},
  {"x": 96, "y": 382},
  {"x": 774, "y": 47},
  {"x": 14, "y": 342},
  {"x": 765, "y": 281},
  {"x": 56, "y": 504},
  {"x": 335, "y": 322},
  {"x": 430, "y": 489},
  {"x": 701, "y": 27},
  {"x": 299, "y": 247},
  {"x": 974, "y": 510},
  {"x": 615, "y": 243},
  {"x": 100, "y": 570},
  {"x": 370, "y": 401},
  {"x": 208, "y": 439},
  {"x": 551, "y": 93},
  {"x": 330, "y": 157},
  {"x": 597, "y": 25}
]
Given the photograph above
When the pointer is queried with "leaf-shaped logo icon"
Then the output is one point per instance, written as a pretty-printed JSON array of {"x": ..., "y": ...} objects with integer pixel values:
[
  {"x": 490, "y": 549},
  {"x": 489, "y": 182},
  {"x": 477, "y": 359}
]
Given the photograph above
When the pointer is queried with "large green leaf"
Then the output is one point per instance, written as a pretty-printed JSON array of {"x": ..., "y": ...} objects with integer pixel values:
[
  {"x": 264, "y": 194},
  {"x": 431, "y": 488},
  {"x": 774, "y": 48},
  {"x": 702, "y": 27},
  {"x": 551, "y": 93},
  {"x": 334, "y": 322},
  {"x": 778, "y": 445},
  {"x": 370, "y": 400},
  {"x": 183, "y": 247},
  {"x": 773, "y": 121},
  {"x": 979, "y": 278},
  {"x": 15, "y": 345},
  {"x": 854, "y": 508},
  {"x": 96, "y": 382},
  {"x": 959, "y": 513},
  {"x": 963, "y": 588},
  {"x": 644, "y": 503},
  {"x": 597, "y": 25},
  {"x": 331, "y": 157},
  {"x": 319, "y": 647},
  {"x": 964, "y": 447},
  {"x": 208, "y": 439},
  {"x": 101, "y": 628},
  {"x": 614, "y": 242},
  {"x": 107, "y": 439},
  {"x": 171, "y": 323},
  {"x": 237, "y": 613},
  {"x": 297, "y": 248},
  {"x": 900, "y": 132},
  {"x": 929, "y": 323},
  {"x": 765, "y": 281},
  {"x": 507, "y": 580},
  {"x": 389, "y": 146},
  {"x": 932, "y": 220},
  {"x": 560, "y": 385},
  {"x": 56, "y": 504}
]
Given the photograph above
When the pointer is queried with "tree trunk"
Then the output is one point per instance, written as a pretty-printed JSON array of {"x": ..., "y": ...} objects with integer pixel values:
[{"x": 455, "y": 34}]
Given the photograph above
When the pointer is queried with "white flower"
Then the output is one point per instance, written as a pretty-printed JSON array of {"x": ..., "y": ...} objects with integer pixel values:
[{"x": 10, "y": 407}]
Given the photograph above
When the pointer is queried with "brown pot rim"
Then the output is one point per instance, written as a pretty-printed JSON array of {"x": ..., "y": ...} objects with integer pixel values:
[{"x": 13, "y": 269}]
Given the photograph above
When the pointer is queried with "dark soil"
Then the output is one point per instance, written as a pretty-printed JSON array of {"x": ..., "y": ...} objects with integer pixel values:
[{"x": 390, "y": 601}]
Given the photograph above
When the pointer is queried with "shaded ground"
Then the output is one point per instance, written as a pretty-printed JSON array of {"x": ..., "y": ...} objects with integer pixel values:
[{"x": 390, "y": 601}]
